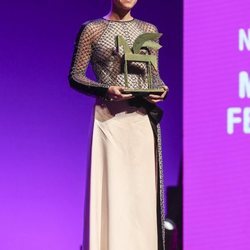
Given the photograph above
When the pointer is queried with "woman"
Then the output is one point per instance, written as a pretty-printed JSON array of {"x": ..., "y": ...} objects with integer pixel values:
[{"x": 126, "y": 205}]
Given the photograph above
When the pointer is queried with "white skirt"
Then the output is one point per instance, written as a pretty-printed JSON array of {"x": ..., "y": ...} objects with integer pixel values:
[{"x": 123, "y": 182}]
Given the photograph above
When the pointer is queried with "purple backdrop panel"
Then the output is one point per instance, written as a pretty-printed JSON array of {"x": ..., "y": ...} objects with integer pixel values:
[{"x": 216, "y": 125}]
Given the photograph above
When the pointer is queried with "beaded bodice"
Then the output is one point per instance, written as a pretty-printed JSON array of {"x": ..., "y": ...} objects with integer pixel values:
[{"x": 96, "y": 44}]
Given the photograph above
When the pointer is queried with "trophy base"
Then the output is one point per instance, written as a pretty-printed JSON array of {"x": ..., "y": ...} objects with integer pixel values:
[{"x": 143, "y": 92}]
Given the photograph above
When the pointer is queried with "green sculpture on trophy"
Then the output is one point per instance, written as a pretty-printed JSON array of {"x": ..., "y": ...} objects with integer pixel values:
[{"x": 143, "y": 41}]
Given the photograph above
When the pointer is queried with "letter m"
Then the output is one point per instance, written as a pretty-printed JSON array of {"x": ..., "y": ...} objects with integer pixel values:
[{"x": 244, "y": 85}]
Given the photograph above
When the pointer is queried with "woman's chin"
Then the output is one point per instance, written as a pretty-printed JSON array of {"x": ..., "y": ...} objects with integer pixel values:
[{"x": 127, "y": 4}]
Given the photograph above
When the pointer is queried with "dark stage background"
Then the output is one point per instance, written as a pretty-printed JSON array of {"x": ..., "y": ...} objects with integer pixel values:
[{"x": 45, "y": 125}]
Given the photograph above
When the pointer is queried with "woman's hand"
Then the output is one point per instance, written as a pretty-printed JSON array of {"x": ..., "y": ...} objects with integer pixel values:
[
  {"x": 157, "y": 98},
  {"x": 115, "y": 94}
]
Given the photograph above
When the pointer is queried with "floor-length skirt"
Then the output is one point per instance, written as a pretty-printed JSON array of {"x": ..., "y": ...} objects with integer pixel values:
[{"x": 123, "y": 179}]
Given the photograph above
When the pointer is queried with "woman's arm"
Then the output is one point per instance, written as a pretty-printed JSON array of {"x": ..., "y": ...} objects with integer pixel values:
[
  {"x": 80, "y": 60},
  {"x": 155, "y": 72}
]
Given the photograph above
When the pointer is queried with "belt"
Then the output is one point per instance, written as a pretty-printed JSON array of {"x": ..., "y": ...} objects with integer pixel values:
[{"x": 155, "y": 113}]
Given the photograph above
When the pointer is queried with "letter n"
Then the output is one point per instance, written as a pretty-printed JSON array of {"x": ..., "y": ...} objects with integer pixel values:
[{"x": 244, "y": 39}]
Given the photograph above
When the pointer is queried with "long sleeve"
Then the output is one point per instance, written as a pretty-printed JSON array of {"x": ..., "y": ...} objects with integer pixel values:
[{"x": 80, "y": 60}]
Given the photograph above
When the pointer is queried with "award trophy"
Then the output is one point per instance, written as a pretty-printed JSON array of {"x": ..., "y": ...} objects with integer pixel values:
[{"x": 143, "y": 41}]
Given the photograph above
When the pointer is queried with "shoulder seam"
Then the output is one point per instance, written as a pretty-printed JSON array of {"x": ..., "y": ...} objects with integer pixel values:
[
  {"x": 90, "y": 21},
  {"x": 149, "y": 25}
]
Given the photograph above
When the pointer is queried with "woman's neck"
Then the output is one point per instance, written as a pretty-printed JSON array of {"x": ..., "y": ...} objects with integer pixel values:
[{"x": 118, "y": 15}]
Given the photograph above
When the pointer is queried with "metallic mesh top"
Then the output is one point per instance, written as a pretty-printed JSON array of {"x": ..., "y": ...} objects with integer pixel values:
[{"x": 95, "y": 43}]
